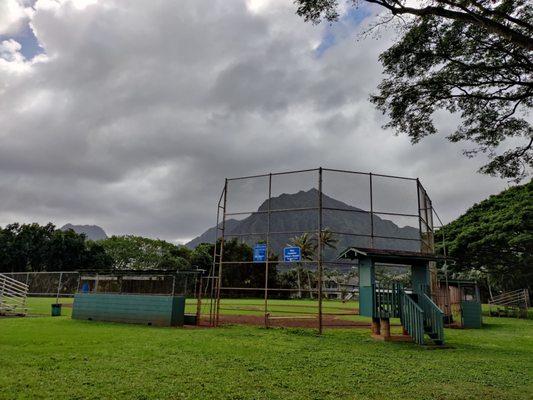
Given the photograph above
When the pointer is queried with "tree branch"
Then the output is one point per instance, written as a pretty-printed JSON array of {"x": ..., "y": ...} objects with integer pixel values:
[{"x": 492, "y": 26}]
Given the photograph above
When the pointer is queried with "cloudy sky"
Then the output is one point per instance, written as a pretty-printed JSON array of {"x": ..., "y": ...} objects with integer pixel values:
[{"x": 129, "y": 114}]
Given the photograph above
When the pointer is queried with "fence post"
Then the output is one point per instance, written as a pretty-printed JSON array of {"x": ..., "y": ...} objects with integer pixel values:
[
  {"x": 2, "y": 288},
  {"x": 319, "y": 250},
  {"x": 59, "y": 286},
  {"x": 267, "y": 248}
]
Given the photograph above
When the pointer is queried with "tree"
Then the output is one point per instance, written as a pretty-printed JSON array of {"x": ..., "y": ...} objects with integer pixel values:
[
  {"x": 467, "y": 57},
  {"x": 97, "y": 257},
  {"x": 25, "y": 247},
  {"x": 328, "y": 239},
  {"x": 32, "y": 247},
  {"x": 136, "y": 252},
  {"x": 202, "y": 256},
  {"x": 64, "y": 251},
  {"x": 494, "y": 239},
  {"x": 307, "y": 245}
]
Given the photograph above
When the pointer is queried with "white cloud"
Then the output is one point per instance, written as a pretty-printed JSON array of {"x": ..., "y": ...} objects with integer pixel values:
[
  {"x": 12, "y": 16},
  {"x": 141, "y": 108}
]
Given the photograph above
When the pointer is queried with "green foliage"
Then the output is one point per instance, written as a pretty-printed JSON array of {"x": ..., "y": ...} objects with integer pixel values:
[
  {"x": 202, "y": 256},
  {"x": 244, "y": 273},
  {"x": 136, "y": 252},
  {"x": 457, "y": 67},
  {"x": 32, "y": 247},
  {"x": 308, "y": 243},
  {"x": 469, "y": 58},
  {"x": 495, "y": 239}
]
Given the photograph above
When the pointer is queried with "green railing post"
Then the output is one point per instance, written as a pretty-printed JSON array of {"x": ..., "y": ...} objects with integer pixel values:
[
  {"x": 412, "y": 318},
  {"x": 434, "y": 318}
]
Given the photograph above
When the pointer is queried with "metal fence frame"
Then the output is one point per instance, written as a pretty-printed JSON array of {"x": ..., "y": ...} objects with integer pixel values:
[
  {"x": 24, "y": 277},
  {"x": 424, "y": 216}
]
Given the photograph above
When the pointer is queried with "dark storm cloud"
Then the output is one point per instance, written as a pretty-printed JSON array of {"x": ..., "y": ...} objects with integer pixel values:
[{"x": 138, "y": 110}]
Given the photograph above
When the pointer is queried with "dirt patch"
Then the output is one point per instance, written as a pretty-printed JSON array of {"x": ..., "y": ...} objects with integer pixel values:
[{"x": 328, "y": 321}]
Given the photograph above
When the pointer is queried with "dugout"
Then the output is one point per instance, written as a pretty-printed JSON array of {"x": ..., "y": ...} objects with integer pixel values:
[
  {"x": 461, "y": 303},
  {"x": 155, "y": 297}
]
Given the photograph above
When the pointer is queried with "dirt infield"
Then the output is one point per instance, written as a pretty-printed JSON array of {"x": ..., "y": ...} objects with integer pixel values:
[{"x": 328, "y": 321}]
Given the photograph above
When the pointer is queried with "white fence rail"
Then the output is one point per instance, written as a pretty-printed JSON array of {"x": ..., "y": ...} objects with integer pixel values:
[
  {"x": 517, "y": 301},
  {"x": 13, "y": 296},
  {"x": 48, "y": 284}
]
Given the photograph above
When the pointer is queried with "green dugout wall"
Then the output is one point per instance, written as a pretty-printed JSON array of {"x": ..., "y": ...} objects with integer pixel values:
[{"x": 126, "y": 308}]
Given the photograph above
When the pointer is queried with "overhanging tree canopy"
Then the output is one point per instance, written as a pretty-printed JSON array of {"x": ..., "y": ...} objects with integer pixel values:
[{"x": 472, "y": 58}]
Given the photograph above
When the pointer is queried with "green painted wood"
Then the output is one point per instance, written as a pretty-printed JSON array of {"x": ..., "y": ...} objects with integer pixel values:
[
  {"x": 387, "y": 303},
  {"x": 433, "y": 318},
  {"x": 138, "y": 309},
  {"x": 178, "y": 311},
  {"x": 420, "y": 276},
  {"x": 366, "y": 282},
  {"x": 413, "y": 318},
  {"x": 366, "y": 304},
  {"x": 471, "y": 313}
]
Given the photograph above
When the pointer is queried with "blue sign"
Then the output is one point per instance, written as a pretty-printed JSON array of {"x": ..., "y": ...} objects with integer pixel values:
[
  {"x": 260, "y": 252},
  {"x": 291, "y": 254}
]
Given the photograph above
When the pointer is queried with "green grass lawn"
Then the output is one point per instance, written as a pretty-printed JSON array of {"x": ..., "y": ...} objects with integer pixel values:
[
  {"x": 59, "y": 358},
  {"x": 486, "y": 310},
  {"x": 42, "y": 306}
]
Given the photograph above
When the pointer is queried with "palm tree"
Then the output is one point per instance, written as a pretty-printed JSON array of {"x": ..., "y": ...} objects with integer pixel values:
[
  {"x": 307, "y": 246},
  {"x": 328, "y": 239}
]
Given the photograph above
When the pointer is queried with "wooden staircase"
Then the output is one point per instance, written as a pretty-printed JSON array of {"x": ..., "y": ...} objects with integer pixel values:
[{"x": 419, "y": 315}]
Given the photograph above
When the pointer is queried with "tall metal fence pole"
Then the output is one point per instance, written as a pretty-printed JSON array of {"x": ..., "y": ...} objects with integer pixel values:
[
  {"x": 267, "y": 247},
  {"x": 319, "y": 250},
  {"x": 211, "y": 276},
  {"x": 371, "y": 213},
  {"x": 221, "y": 258},
  {"x": 419, "y": 215},
  {"x": 59, "y": 286}
]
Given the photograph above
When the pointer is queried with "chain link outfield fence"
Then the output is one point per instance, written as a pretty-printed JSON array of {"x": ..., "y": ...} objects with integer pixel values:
[{"x": 48, "y": 284}]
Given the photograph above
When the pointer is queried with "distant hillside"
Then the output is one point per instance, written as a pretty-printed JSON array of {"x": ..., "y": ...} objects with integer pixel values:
[
  {"x": 209, "y": 235},
  {"x": 351, "y": 222},
  {"x": 92, "y": 232}
]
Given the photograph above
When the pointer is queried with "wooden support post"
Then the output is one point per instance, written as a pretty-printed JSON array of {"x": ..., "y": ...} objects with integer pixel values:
[
  {"x": 385, "y": 328},
  {"x": 376, "y": 327}
]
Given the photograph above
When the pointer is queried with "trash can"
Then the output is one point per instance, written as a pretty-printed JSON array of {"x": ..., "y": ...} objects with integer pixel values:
[{"x": 56, "y": 310}]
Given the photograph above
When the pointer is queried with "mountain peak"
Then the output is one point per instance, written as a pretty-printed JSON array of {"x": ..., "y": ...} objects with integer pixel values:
[
  {"x": 356, "y": 225},
  {"x": 92, "y": 232}
]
